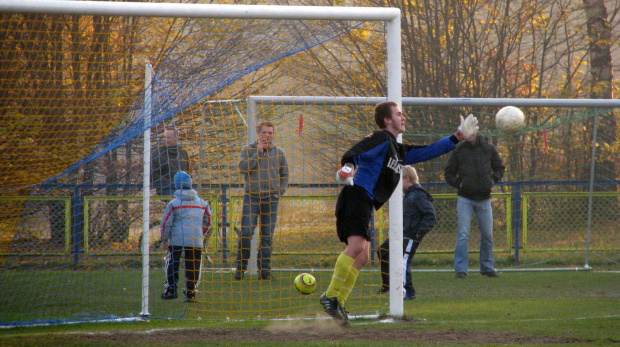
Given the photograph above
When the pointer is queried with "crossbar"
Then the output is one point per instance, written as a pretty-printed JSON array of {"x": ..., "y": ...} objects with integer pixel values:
[{"x": 150, "y": 9}]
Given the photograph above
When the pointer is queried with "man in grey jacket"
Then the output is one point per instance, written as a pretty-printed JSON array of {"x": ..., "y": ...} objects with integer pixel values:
[
  {"x": 186, "y": 219},
  {"x": 473, "y": 168},
  {"x": 265, "y": 172}
]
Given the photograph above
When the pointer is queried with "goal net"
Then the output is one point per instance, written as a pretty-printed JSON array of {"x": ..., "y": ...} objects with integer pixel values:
[
  {"x": 80, "y": 91},
  {"x": 74, "y": 102}
]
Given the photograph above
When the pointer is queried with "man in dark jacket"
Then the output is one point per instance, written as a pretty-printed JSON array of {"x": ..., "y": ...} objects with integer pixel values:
[
  {"x": 473, "y": 168},
  {"x": 166, "y": 161},
  {"x": 418, "y": 219}
]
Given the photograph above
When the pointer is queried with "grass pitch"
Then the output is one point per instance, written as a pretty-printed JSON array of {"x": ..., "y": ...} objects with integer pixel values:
[{"x": 518, "y": 308}]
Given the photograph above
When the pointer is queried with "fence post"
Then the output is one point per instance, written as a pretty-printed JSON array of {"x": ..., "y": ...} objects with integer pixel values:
[
  {"x": 516, "y": 218},
  {"x": 76, "y": 224},
  {"x": 225, "y": 201}
]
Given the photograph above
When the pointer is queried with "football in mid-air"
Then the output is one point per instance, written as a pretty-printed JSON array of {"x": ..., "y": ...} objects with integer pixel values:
[
  {"x": 510, "y": 120},
  {"x": 305, "y": 283}
]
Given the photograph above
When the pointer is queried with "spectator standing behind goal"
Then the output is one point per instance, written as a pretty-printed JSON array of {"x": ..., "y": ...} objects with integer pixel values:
[
  {"x": 378, "y": 160},
  {"x": 473, "y": 168},
  {"x": 265, "y": 172},
  {"x": 166, "y": 161},
  {"x": 186, "y": 219},
  {"x": 418, "y": 219}
]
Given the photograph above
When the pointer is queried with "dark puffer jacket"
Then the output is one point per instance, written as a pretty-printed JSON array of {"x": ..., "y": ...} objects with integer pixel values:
[
  {"x": 473, "y": 168},
  {"x": 165, "y": 163},
  {"x": 418, "y": 212}
]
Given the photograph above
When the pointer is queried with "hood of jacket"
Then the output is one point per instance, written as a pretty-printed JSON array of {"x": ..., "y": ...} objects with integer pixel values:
[{"x": 185, "y": 194}]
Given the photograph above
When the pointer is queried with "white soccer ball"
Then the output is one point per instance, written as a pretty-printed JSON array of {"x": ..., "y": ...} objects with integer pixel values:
[{"x": 510, "y": 120}]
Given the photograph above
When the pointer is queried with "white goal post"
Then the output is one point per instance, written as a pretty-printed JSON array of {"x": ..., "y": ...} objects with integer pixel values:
[{"x": 391, "y": 16}]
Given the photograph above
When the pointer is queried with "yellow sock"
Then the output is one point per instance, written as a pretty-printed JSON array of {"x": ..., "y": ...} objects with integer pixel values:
[
  {"x": 341, "y": 270},
  {"x": 347, "y": 286}
]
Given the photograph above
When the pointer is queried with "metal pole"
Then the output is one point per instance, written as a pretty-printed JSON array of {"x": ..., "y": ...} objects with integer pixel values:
[
  {"x": 146, "y": 189},
  {"x": 418, "y": 101},
  {"x": 516, "y": 219},
  {"x": 252, "y": 267},
  {"x": 150, "y": 9},
  {"x": 591, "y": 196},
  {"x": 394, "y": 93}
]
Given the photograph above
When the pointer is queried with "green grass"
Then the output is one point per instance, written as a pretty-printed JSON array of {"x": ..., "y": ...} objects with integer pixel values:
[
  {"x": 581, "y": 306},
  {"x": 93, "y": 294},
  {"x": 557, "y": 303}
]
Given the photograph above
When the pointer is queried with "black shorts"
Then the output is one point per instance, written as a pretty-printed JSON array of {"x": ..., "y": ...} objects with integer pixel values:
[{"x": 353, "y": 211}]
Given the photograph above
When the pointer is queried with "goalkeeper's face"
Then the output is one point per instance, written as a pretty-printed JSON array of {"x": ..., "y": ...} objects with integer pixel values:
[{"x": 396, "y": 122}]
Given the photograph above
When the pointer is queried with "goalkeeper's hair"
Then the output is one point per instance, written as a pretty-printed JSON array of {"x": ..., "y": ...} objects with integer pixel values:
[
  {"x": 260, "y": 126},
  {"x": 410, "y": 172},
  {"x": 383, "y": 110}
]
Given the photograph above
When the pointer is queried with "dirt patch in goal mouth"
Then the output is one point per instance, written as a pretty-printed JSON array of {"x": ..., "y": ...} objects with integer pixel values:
[{"x": 319, "y": 330}]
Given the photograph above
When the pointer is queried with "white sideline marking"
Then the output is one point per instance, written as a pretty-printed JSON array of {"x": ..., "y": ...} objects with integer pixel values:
[
  {"x": 105, "y": 320},
  {"x": 542, "y": 319}
]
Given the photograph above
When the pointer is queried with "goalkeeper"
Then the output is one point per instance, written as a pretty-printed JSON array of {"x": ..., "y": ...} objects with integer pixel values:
[
  {"x": 186, "y": 219},
  {"x": 378, "y": 160}
]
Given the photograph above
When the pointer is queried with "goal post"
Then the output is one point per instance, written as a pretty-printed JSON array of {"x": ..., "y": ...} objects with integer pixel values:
[
  {"x": 187, "y": 10},
  {"x": 424, "y": 101},
  {"x": 391, "y": 16}
]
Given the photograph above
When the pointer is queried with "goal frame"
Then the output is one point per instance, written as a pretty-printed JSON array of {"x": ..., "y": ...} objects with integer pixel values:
[
  {"x": 395, "y": 205},
  {"x": 391, "y": 16}
]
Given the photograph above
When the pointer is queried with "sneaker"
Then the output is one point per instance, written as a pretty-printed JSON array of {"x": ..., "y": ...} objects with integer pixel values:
[
  {"x": 190, "y": 295},
  {"x": 409, "y": 296},
  {"x": 169, "y": 294},
  {"x": 384, "y": 289},
  {"x": 491, "y": 273},
  {"x": 267, "y": 277},
  {"x": 332, "y": 308},
  {"x": 238, "y": 275},
  {"x": 461, "y": 274}
]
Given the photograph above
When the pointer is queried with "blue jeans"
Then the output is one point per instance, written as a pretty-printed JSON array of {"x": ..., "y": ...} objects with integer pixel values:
[
  {"x": 466, "y": 208},
  {"x": 267, "y": 210}
]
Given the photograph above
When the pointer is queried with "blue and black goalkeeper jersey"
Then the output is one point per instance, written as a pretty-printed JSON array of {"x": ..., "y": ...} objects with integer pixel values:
[{"x": 379, "y": 160}]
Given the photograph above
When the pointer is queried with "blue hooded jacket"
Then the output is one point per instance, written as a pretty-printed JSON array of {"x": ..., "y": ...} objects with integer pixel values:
[{"x": 187, "y": 217}]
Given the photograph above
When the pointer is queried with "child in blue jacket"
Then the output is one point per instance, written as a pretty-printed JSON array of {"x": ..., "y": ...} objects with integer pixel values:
[{"x": 186, "y": 219}]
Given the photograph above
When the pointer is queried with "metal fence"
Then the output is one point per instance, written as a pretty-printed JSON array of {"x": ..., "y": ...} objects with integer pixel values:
[{"x": 112, "y": 225}]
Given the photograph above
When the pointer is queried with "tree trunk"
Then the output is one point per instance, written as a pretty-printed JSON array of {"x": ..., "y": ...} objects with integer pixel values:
[{"x": 601, "y": 71}]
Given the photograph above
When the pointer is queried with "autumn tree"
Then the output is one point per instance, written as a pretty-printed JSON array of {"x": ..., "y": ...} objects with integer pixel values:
[
  {"x": 601, "y": 84},
  {"x": 497, "y": 49}
]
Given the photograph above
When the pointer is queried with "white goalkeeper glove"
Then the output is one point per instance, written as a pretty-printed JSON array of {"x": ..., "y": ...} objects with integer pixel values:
[
  {"x": 468, "y": 127},
  {"x": 345, "y": 174}
]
